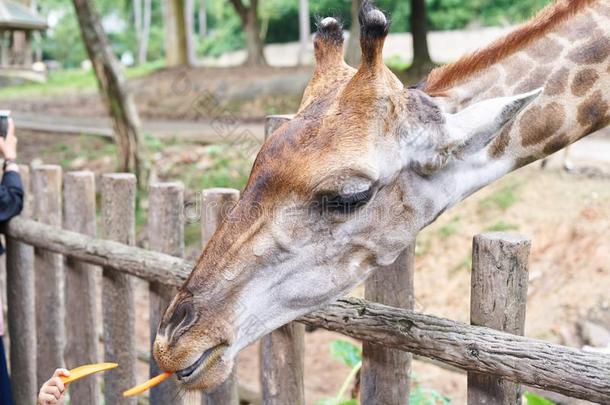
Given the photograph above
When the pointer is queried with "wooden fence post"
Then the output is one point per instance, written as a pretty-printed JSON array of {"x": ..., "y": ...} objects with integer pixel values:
[
  {"x": 385, "y": 375},
  {"x": 81, "y": 286},
  {"x": 118, "y": 219},
  {"x": 216, "y": 204},
  {"x": 165, "y": 235},
  {"x": 498, "y": 299},
  {"x": 50, "y": 276},
  {"x": 21, "y": 297},
  {"x": 282, "y": 351}
]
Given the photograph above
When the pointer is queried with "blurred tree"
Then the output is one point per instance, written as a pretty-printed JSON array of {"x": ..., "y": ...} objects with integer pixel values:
[
  {"x": 114, "y": 91},
  {"x": 252, "y": 28},
  {"x": 352, "y": 53},
  {"x": 422, "y": 64},
  {"x": 176, "y": 32},
  {"x": 304, "y": 30},
  {"x": 142, "y": 13},
  {"x": 203, "y": 19}
]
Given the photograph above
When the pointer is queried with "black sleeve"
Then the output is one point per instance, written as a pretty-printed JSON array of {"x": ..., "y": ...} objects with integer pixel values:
[{"x": 11, "y": 196}]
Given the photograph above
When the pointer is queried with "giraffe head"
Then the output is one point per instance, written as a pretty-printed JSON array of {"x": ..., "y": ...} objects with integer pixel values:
[{"x": 334, "y": 193}]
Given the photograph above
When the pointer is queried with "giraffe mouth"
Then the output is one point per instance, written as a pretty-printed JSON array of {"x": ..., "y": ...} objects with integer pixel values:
[{"x": 202, "y": 364}]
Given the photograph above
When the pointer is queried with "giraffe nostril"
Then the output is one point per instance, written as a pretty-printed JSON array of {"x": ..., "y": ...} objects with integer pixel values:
[{"x": 183, "y": 317}]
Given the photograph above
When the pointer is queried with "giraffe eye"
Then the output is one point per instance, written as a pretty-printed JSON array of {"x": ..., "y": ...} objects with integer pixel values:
[{"x": 346, "y": 203}]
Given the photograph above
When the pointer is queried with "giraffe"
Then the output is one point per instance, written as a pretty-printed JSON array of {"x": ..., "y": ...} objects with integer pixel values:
[{"x": 366, "y": 163}]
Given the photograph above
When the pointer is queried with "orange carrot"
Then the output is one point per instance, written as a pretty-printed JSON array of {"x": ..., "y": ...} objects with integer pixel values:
[
  {"x": 86, "y": 370},
  {"x": 138, "y": 389}
]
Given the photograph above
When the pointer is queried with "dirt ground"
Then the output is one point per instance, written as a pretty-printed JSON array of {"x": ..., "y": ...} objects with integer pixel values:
[{"x": 566, "y": 215}]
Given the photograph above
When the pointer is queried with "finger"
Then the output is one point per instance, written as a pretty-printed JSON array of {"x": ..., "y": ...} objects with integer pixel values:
[
  {"x": 55, "y": 392},
  {"x": 59, "y": 372},
  {"x": 47, "y": 398},
  {"x": 11, "y": 127},
  {"x": 59, "y": 384},
  {"x": 63, "y": 372}
]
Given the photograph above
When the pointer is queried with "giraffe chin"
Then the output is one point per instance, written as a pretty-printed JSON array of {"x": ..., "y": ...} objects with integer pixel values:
[{"x": 208, "y": 372}]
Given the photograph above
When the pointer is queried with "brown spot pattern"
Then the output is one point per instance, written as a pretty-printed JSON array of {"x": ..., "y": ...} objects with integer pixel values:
[
  {"x": 579, "y": 29},
  {"x": 594, "y": 51},
  {"x": 534, "y": 80},
  {"x": 593, "y": 113},
  {"x": 583, "y": 81},
  {"x": 539, "y": 123},
  {"x": 501, "y": 142},
  {"x": 557, "y": 83},
  {"x": 545, "y": 50},
  {"x": 558, "y": 142}
]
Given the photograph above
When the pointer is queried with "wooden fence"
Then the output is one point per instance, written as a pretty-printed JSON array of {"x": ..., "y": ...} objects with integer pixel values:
[{"x": 491, "y": 349}]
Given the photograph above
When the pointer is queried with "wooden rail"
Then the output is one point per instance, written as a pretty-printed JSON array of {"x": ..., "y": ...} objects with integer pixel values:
[{"x": 569, "y": 371}]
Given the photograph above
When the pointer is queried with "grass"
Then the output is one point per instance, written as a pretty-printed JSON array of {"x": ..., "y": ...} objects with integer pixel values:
[
  {"x": 68, "y": 80},
  {"x": 503, "y": 198},
  {"x": 450, "y": 228},
  {"x": 502, "y": 226}
]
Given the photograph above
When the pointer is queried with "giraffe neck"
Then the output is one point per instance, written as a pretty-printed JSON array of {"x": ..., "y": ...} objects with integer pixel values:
[{"x": 572, "y": 63}]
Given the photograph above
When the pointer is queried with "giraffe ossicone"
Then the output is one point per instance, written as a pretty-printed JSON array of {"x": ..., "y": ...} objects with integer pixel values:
[{"x": 366, "y": 163}]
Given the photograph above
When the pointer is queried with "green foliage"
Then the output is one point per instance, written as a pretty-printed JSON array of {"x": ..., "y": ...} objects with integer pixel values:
[
  {"x": 450, "y": 228},
  {"x": 351, "y": 355},
  {"x": 427, "y": 396},
  {"x": 502, "y": 226},
  {"x": 502, "y": 198},
  {"x": 336, "y": 401},
  {"x": 454, "y": 14},
  {"x": 533, "y": 399},
  {"x": 279, "y": 22},
  {"x": 346, "y": 352},
  {"x": 64, "y": 80}
]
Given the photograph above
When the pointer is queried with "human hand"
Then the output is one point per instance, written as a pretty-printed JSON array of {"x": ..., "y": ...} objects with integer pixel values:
[
  {"x": 53, "y": 391},
  {"x": 8, "y": 145}
]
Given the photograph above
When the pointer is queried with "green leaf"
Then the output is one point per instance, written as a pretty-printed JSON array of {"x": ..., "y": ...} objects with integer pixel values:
[
  {"x": 533, "y": 399},
  {"x": 427, "y": 396},
  {"x": 346, "y": 352},
  {"x": 336, "y": 401}
]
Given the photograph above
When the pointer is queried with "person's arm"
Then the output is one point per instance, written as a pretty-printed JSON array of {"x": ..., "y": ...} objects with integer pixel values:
[{"x": 11, "y": 188}]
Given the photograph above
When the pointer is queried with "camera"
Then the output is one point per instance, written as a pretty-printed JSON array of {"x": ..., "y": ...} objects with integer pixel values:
[{"x": 4, "y": 117}]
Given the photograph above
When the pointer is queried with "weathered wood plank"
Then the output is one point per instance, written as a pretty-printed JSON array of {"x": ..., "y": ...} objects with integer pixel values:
[
  {"x": 282, "y": 365},
  {"x": 142, "y": 263},
  {"x": 166, "y": 235},
  {"x": 498, "y": 297},
  {"x": 81, "y": 286},
  {"x": 566, "y": 370},
  {"x": 21, "y": 297},
  {"x": 118, "y": 305},
  {"x": 282, "y": 354},
  {"x": 385, "y": 375},
  {"x": 50, "y": 276},
  {"x": 216, "y": 205},
  {"x": 569, "y": 371}
]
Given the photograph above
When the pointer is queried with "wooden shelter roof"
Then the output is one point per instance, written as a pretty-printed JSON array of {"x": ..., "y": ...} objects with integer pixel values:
[{"x": 19, "y": 17}]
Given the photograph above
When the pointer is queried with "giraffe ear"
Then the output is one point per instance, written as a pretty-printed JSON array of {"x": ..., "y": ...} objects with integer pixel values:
[
  {"x": 474, "y": 127},
  {"x": 468, "y": 131}
]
